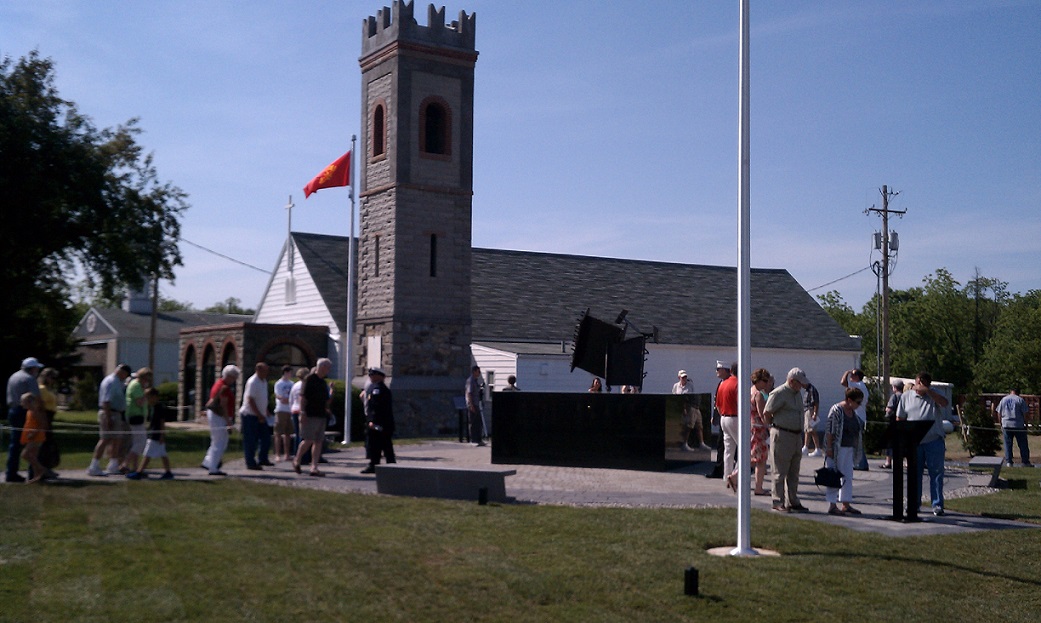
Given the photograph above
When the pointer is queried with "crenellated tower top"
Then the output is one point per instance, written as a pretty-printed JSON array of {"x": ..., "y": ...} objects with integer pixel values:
[{"x": 398, "y": 24}]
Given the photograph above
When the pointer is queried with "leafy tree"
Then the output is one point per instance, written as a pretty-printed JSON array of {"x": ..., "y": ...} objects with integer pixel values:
[
  {"x": 840, "y": 311},
  {"x": 1012, "y": 355},
  {"x": 931, "y": 329},
  {"x": 77, "y": 200},
  {"x": 985, "y": 311},
  {"x": 169, "y": 305},
  {"x": 231, "y": 305}
]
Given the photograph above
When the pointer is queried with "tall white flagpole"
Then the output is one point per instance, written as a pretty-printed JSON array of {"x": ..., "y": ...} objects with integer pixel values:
[
  {"x": 744, "y": 323},
  {"x": 348, "y": 333}
]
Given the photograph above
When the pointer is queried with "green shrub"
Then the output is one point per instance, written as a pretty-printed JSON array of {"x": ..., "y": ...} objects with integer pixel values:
[
  {"x": 84, "y": 393},
  {"x": 168, "y": 393},
  {"x": 984, "y": 438}
]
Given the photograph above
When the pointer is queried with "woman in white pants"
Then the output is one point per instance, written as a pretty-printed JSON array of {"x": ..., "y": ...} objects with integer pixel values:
[
  {"x": 842, "y": 444},
  {"x": 219, "y": 413}
]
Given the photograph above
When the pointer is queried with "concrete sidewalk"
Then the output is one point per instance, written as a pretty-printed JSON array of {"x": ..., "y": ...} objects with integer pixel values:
[{"x": 682, "y": 488}]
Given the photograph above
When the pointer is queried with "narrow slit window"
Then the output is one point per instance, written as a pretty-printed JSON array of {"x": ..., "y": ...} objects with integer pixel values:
[
  {"x": 376, "y": 256},
  {"x": 433, "y": 255}
]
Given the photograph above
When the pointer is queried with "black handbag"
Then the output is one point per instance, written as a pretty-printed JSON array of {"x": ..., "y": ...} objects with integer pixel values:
[
  {"x": 828, "y": 477},
  {"x": 49, "y": 456}
]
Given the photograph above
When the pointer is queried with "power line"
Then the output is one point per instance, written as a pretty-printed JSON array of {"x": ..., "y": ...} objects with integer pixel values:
[
  {"x": 231, "y": 259},
  {"x": 856, "y": 272}
]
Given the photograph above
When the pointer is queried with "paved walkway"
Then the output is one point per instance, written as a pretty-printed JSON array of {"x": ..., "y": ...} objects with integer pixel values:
[{"x": 682, "y": 488}]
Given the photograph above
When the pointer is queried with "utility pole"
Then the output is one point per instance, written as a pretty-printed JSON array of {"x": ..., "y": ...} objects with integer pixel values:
[{"x": 885, "y": 240}]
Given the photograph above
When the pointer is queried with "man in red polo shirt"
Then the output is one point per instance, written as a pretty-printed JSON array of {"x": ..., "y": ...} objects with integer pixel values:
[{"x": 726, "y": 404}]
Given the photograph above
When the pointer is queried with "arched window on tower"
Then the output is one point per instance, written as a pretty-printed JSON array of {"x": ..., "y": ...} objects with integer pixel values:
[
  {"x": 435, "y": 126},
  {"x": 379, "y": 130}
]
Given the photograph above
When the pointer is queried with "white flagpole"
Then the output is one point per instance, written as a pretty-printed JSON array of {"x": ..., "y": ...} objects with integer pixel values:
[
  {"x": 744, "y": 324},
  {"x": 348, "y": 334}
]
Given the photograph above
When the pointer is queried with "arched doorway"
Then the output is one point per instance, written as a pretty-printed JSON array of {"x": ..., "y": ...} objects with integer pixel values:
[
  {"x": 209, "y": 370},
  {"x": 228, "y": 357},
  {"x": 288, "y": 354},
  {"x": 190, "y": 374}
]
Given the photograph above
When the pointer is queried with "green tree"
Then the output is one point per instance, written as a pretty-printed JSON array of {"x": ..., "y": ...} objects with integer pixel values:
[
  {"x": 840, "y": 311},
  {"x": 77, "y": 200},
  {"x": 1012, "y": 355},
  {"x": 231, "y": 305},
  {"x": 985, "y": 310},
  {"x": 931, "y": 329},
  {"x": 169, "y": 305}
]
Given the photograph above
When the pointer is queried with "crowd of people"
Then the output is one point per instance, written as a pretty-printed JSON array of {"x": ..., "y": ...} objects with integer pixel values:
[
  {"x": 131, "y": 433},
  {"x": 786, "y": 425}
]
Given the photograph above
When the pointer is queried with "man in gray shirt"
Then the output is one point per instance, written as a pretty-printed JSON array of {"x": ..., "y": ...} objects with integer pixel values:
[
  {"x": 922, "y": 403},
  {"x": 22, "y": 381},
  {"x": 1013, "y": 412}
]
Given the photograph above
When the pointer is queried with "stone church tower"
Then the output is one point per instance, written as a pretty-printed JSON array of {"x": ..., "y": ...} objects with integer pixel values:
[{"x": 416, "y": 189}]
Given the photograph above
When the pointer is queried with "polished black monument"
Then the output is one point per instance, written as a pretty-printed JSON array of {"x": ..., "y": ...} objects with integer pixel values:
[{"x": 618, "y": 431}]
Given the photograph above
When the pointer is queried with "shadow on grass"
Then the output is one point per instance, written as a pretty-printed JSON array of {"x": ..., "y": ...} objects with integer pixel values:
[
  {"x": 1012, "y": 516},
  {"x": 848, "y": 555},
  {"x": 76, "y": 484}
]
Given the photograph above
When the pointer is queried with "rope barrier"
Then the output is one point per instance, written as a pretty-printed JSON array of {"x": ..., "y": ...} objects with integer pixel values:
[{"x": 71, "y": 428}]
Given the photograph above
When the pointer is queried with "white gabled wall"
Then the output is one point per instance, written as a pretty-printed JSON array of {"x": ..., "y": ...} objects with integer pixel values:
[{"x": 308, "y": 306}]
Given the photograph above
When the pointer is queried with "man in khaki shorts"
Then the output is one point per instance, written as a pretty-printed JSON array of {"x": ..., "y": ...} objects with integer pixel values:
[{"x": 112, "y": 426}]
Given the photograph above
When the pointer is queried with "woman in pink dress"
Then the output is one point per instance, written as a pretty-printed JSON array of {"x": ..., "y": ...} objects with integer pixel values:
[{"x": 760, "y": 430}]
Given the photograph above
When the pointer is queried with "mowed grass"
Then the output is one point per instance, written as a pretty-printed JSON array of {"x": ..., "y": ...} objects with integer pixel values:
[{"x": 232, "y": 550}]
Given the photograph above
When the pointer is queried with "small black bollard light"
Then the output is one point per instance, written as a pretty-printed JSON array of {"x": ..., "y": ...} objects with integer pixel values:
[
  {"x": 690, "y": 582},
  {"x": 482, "y": 496}
]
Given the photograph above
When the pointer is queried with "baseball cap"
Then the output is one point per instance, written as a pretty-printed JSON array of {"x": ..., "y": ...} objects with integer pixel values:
[
  {"x": 720, "y": 364},
  {"x": 681, "y": 373},
  {"x": 798, "y": 375},
  {"x": 31, "y": 362}
]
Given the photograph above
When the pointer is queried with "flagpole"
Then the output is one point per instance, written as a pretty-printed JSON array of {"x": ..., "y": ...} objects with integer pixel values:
[
  {"x": 348, "y": 334},
  {"x": 744, "y": 324}
]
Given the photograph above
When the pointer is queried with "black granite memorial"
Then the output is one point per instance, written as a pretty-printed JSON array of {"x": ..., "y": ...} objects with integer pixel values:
[
  {"x": 616, "y": 431},
  {"x": 904, "y": 436}
]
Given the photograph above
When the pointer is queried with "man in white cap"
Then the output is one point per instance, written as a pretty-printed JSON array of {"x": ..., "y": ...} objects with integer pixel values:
[
  {"x": 783, "y": 413},
  {"x": 691, "y": 413},
  {"x": 21, "y": 382}
]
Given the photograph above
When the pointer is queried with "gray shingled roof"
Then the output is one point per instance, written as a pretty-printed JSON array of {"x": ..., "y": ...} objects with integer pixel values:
[
  {"x": 168, "y": 325},
  {"x": 528, "y": 296},
  {"x": 521, "y": 295}
]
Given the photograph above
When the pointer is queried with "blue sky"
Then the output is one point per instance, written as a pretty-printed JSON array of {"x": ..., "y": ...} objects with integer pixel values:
[{"x": 601, "y": 128}]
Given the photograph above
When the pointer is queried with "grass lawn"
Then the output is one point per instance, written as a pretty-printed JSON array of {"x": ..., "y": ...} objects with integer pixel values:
[{"x": 232, "y": 550}]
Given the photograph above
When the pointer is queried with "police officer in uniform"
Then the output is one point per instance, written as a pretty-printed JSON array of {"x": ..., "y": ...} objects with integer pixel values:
[{"x": 379, "y": 420}]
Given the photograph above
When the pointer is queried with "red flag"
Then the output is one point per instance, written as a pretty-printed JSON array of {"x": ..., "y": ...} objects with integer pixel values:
[{"x": 336, "y": 174}]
